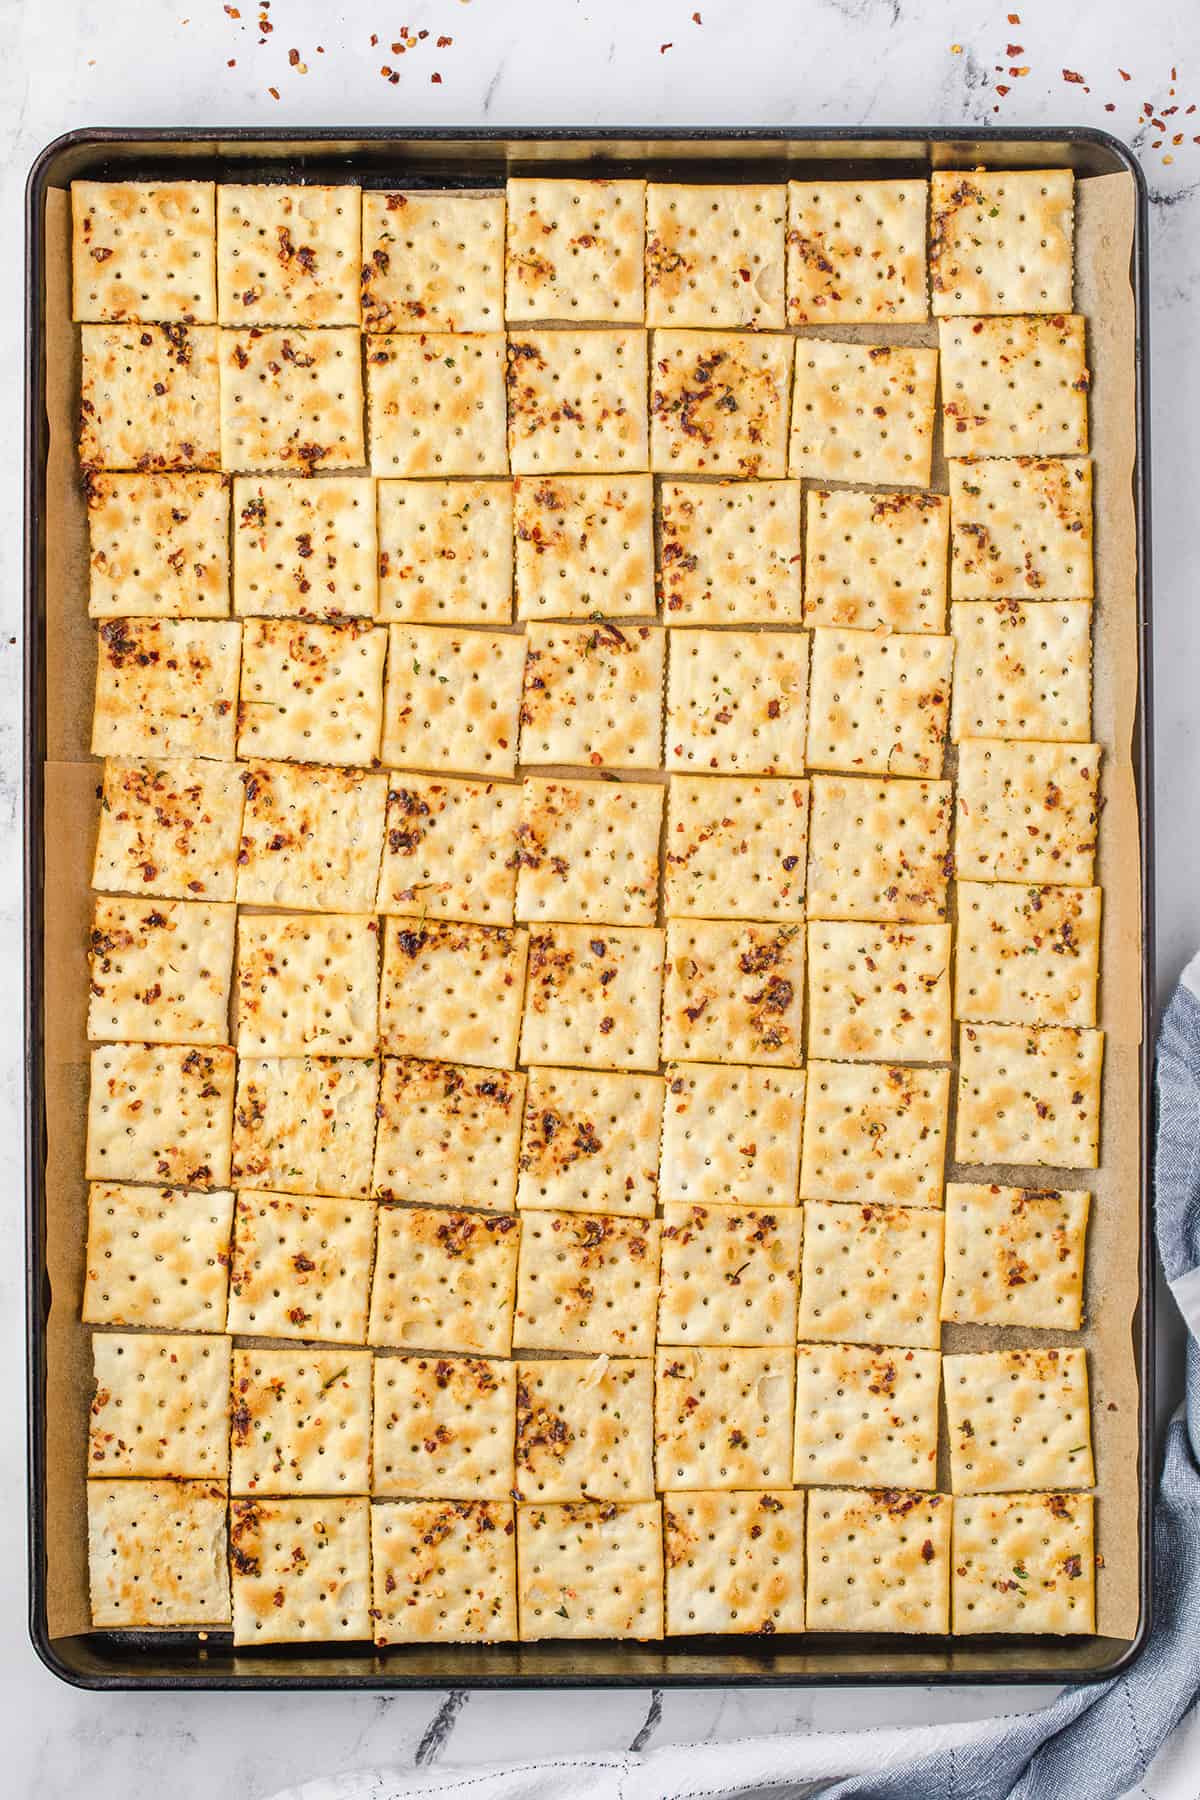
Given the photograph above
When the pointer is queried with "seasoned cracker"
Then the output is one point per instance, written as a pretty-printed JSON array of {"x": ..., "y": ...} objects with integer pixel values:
[
  {"x": 444, "y": 1280},
  {"x": 587, "y": 1282},
  {"x": 737, "y": 702},
  {"x": 169, "y": 828},
  {"x": 1024, "y": 1563},
  {"x": 448, "y": 1134},
  {"x": 590, "y": 1569},
  {"x": 1021, "y": 528},
  {"x": 1022, "y": 671},
  {"x": 311, "y": 837},
  {"x": 1029, "y": 1094},
  {"x": 878, "y": 1561},
  {"x": 301, "y": 1422},
  {"x": 734, "y": 1562},
  {"x": 871, "y": 1275},
  {"x": 731, "y": 1135},
  {"x": 159, "y": 971},
  {"x": 577, "y": 402},
  {"x": 593, "y": 695},
  {"x": 1014, "y": 1256},
  {"x": 731, "y": 552},
  {"x": 452, "y": 699},
  {"x": 160, "y": 1113},
  {"x": 311, "y": 693},
  {"x": 301, "y": 1267},
  {"x": 1015, "y": 387},
  {"x": 879, "y": 992},
  {"x": 444, "y": 1572},
  {"x": 307, "y": 984},
  {"x": 161, "y": 1405},
  {"x": 435, "y": 404},
  {"x": 157, "y": 1256},
  {"x": 149, "y": 397},
  {"x": 715, "y": 255},
  {"x": 584, "y": 545},
  {"x": 856, "y": 252},
  {"x": 876, "y": 562},
  {"x": 592, "y": 997},
  {"x": 736, "y": 848},
  {"x": 589, "y": 1142},
  {"x": 875, "y": 1132},
  {"x": 733, "y": 992},
  {"x": 1019, "y": 1420},
  {"x": 879, "y": 849},
  {"x": 301, "y": 1570},
  {"x": 866, "y": 1417},
  {"x": 166, "y": 687},
  {"x": 449, "y": 849},
  {"x": 729, "y": 1276},
  {"x": 719, "y": 403},
  {"x": 863, "y": 412},
  {"x": 585, "y": 1429},
  {"x": 1027, "y": 811},
  {"x": 304, "y": 549},
  {"x": 588, "y": 851},
  {"x": 288, "y": 255},
  {"x": 723, "y": 1418},
  {"x": 879, "y": 704},
  {"x": 305, "y": 1125},
  {"x": 575, "y": 250},
  {"x": 157, "y": 1553},
  {"x": 159, "y": 546},
  {"x": 452, "y": 992},
  {"x": 444, "y": 1427},
  {"x": 291, "y": 400},
  {"x": 143, "y": 250},
  {"x": 446, "y": 552},
  {"x": 432, "y": 262},
  {"x": 1027, "y": 955},
  {"x": 1001, "y": 242}
]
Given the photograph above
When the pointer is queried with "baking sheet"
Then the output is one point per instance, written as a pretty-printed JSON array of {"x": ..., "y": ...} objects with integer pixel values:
[{"x": 1104, "y": 237}]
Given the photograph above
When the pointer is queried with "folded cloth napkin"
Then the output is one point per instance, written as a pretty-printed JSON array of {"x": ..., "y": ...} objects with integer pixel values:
[{"x": 1091, "y": 1743}]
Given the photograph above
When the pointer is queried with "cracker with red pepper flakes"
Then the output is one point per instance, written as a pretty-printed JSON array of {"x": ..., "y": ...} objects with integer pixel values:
[
  {"x": 577, "y": 402},
  {"x": 585, "y": 1429},
  {"x": 448, "y": 1134},
  {"x": 733, "y": 992},
  {"x": 856, "y": 252},
  {"x": 304, "y": 549},
  {"x": 288, "y": 255},
  {"x": 449, "y": 849},
  {"x": 575, "y": 250},
  {"x": 729, "y": 1276},
  {"x": 736, "y": 848},
  {"x": 305, "y": 1125},
  {"x": 157, "y": 1256},
  {"x": 1018, "y": 1420},
  {"x": 150, "y": 397},
  {"x": 871, "y": 1275},
  {"x": 876, "y": 562},
  {"x": 715, "y": 255},
  {"x": 160, "y": 971},
  {"x": 1027, "y": 811},
  {"x": 737, "y": 702},
  {"x": 432, "y": 262},
  {"x": 435, "y": 404},
  {"x": 301, "y": 1570},
  {"x": 1015, "y": 387},
  {"x": 311, "y": 837},
  {"x": 584, "y": 546},
  {"x": 1024, "y": 1562},
  {"x": 444, "y": 1571},
  {"x": 731, "y": 1135},
  {"x": 444, "y": 1280},
  {"x": 166, "y": 687},
  {"x": 1001, "y": 242},
  {"x": 863, "y": 412},
  {"x": 589, "y": 1142},
  {"x": 879, "y": 992},
  {"x": 879, "y": 849},
  {"x": 1021, "y": 528},
  {"x": 1027, "y": 955},
  {"x": 588, "y": 851},
  {"x": 590, "y": 1569},
  {"x": 1022, "y": 671},
  {"x": 593, "y": 695},
  {"x": 307, "y": 984},
  {"x": 311, "y": 693},
  {"x": 592, "y": 996},
  {"x": 291, "y": 400},
  {"x": 866, "y": 1416},
  {"x": 1029, "y": 1094},
  {"x": 719, "y": 403},
  {"x": 446, "y": 552},
  {"x": 161, "y": 1405},
  {"x": 1014, "y": 1256},
  {"x": 444, "y": 1427},
  {"x": 723, "y": 1418},
  {"x": 301, "y": 1267},
  {"x": 159, "y": 546},
  {"x": 734, "y": 1562},
  {"x": 143, "y": 250},
  {"x": 879, "y": 704},
  {"x": 301, "y": 1422},
  {"x": 157, "y": 1553},
  {"x": 452, "y": 699},
  {"x": 452, "y": 992},
  {"x": 878, "y": 1561},
  {"x": 875, "y": 1132},
  {"x": 169, "y": 827},
  {"x": 731, "y": 552},
  {"x": 587, "y": 1282},
  {"x": 160, "y": 1113}
]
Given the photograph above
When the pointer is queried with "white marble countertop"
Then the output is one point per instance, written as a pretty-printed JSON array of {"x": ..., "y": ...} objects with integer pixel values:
[{"x": 69, "y": 63}]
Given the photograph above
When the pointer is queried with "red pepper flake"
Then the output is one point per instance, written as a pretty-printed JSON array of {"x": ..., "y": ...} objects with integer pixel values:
[
  {"x": 274, "y": 93},
  {"x": 1014, "y": 49},
  {"x": 1000, "y": 89},
  {"x": 1124, "y": 74},
  {"x": 663, "y": 48},
  {"x": 1109, "y": 106},
  {"x": 374, "y": 39},
  {"x": 696, "y": 19},
  {"x": 1072, "y": 75},
  {"x": 444, "y": 43},
  {"x": 1019, "y": 72},
  {"x": 232, "y": 63},
  {"x": 1014, "y": 18},
  {"x": 233, "y": 12},
  {"x": 436, "y": 77}
]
